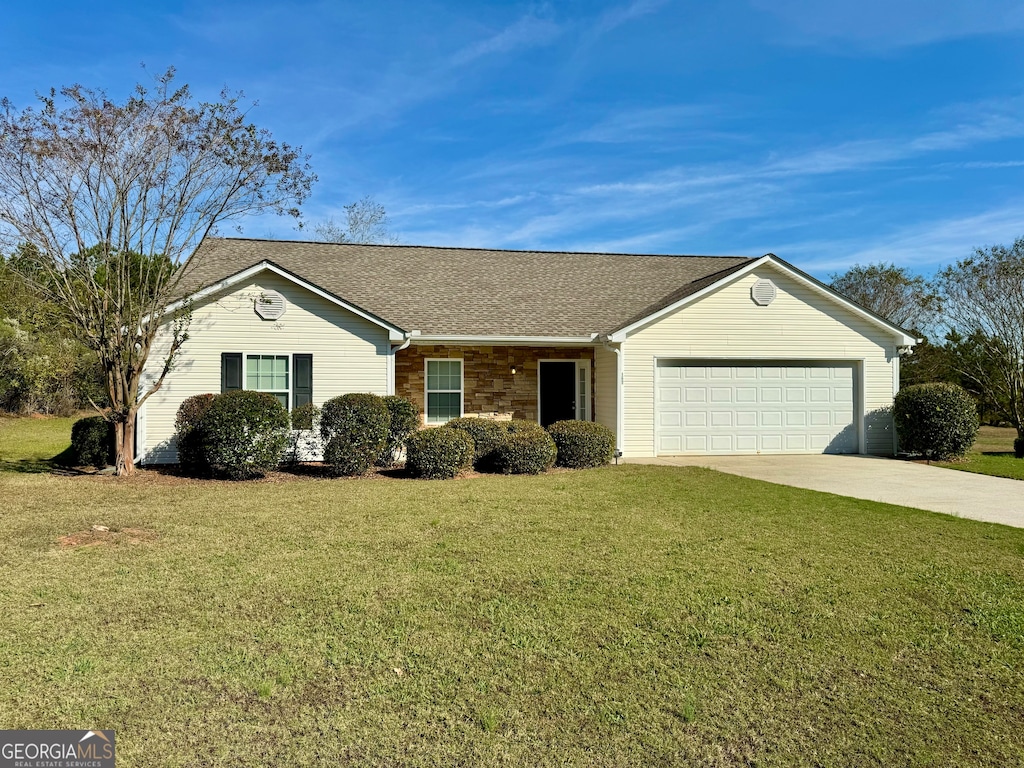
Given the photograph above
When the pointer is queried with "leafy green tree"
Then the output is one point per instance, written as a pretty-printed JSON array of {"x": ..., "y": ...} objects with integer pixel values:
[
  {"x": 892, "y": 292},
  {"x": 111, "y": 197},
  {"x": 982, "y": 303}
]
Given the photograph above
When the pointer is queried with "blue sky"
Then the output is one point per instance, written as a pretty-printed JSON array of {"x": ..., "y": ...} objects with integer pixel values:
[{"x": 829, "y": 133}]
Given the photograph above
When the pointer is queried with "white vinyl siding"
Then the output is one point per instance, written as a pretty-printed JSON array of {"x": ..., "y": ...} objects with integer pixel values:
[
  {"x": 350, "y": 353},
  {"x": 801, "y": 324},
  {"x": 605, "y": 390},
  {"x": 444, "y": 390}
]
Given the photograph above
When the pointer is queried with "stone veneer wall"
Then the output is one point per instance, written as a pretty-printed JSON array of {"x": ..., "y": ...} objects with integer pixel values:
[{"x": 489, "y": 387}]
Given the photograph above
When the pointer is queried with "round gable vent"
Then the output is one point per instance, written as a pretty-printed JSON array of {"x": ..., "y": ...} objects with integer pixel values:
[
  {"x": 270, "y": 305},
  {"x": 763, "y": 292}
]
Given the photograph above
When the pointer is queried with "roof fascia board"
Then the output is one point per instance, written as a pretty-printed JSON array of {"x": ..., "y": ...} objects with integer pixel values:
[
  {"x": 502, "y": 340},
  {"x": 904, "y": 339},
  {"x": 394, "y": 332}
]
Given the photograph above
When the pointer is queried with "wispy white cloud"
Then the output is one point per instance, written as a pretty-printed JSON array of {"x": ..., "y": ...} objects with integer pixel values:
[
  {"x": 922, "y": 245},
  {"x": 614, "y": 18},
  {"x": 891, "y": 24},
  {"x": 526, "y": 32}
]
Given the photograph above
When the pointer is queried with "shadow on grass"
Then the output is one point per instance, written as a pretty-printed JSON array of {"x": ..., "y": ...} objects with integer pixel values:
[
  {"x": 1006, "y": 454},
  {"x": 27, "y": 466}
]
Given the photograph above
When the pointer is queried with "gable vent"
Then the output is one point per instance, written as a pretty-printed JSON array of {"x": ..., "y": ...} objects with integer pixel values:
[
  {"x": 763, "y": 292},
  {"x": 270, "y": 305}
]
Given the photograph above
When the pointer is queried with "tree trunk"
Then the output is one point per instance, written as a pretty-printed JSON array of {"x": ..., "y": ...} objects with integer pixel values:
[{"x": 124, "y": 445}]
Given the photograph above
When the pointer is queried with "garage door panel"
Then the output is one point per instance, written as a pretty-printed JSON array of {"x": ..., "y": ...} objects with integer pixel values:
[
  {"x": 802, "y": 408},
  {"x": 746, "y": 418},
  {"x": 696, "y": 418},
  {"x": 695, "y": 395},
  {"x": 721, "y": 418},
  {"x": 745, "y": 394}
]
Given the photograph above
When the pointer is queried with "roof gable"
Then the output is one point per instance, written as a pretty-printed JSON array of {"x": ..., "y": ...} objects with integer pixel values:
[{"x": 703, "y": 287}]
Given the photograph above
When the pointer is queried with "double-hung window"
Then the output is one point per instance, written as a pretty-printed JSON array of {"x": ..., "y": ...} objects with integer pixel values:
[
  {"x": 444, "y": 390},
  {"x": 268, "y": 373}
]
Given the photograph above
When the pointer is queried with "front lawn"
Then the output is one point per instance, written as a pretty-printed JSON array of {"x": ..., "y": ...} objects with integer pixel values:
[
  {"x": 991, "y": 454},
  {"x": 623, "y": 616}
]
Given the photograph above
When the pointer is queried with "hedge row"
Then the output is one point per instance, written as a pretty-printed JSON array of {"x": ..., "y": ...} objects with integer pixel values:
[
  {"x": 517, "y": 447},
  {"x": 244, "y": 434}
]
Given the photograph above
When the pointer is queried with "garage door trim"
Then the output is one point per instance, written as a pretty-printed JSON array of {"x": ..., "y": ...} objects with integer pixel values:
[{"x": 856, "y": 363}]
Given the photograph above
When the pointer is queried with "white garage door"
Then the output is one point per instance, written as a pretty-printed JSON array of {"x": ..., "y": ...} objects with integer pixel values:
[{"x": 754, "y": 408}]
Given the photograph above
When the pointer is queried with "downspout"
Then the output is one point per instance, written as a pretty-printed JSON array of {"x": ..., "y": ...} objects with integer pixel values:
[
  {"x": 391, "y": 384},
  {"x": 619, "y": 398}
]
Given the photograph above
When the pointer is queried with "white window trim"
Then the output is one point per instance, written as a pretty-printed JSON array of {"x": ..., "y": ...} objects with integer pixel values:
[
  {"x": 426, "y": 388},
  {"x": 583, "y": 366},
  {"x": 291, "y": 373}
]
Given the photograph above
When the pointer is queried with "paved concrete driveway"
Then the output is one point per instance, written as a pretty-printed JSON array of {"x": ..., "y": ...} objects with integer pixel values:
[{"x": 979, "y": 497}]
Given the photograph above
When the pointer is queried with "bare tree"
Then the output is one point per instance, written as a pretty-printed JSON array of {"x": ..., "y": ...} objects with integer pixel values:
[
  {"x": 366, "y": 221},
  {"x": 114, "y": 197},
  {"x": 892, "y": 292},
  {"x": 983, "y": 305}
]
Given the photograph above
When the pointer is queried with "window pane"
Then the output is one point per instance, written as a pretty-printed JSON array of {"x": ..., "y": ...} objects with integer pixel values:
[
  {"x": 442, "y": 406},
  {"x": 268, "y": 373},
  {"x": 444, "y": 375}
]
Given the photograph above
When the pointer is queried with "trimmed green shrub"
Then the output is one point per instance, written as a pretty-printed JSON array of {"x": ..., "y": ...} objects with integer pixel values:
[
  {"x": 582, "y": 443},
  {"x": 305, "y": 416},
  {"x": 92, "y": 441},
  {"x": 439, "y": 453},
  {"x": 525, "y": 452},
  {"x": 354, "y": 429},
  {"x": 523, "y": 425},
  {"x": 190, "y": 436},
  {"x": 1018, "y": 447},
  {"x": 487, "y": 435},
  {"x": 244, "y": 434},
  {"x": 405, "y": 419},
  {"x": 938, "y": 421}
]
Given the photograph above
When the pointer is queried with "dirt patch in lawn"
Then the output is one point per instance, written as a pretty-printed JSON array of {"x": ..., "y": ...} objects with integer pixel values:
[{"x": 100, "y": 535}]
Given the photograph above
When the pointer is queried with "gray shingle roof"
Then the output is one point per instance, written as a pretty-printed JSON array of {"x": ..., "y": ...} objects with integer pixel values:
[{"x": 469, "y": 291}]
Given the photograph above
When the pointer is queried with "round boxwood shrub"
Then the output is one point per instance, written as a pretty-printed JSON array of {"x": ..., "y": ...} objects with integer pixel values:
[
  {"x": 244, "y": 434},
  {"x": 439, "y": 453},
  {"x": 405, "y": 419},
  {"x": 525, "y": 452},
  {"x": 582, "y": 443},
  {"x": 354, "y": 429},
  {"x": 92, "y": 442},
  {"x": 487, "y": 435},
  {"x": 938, "y": 421},
  {"x": 190, "y": 436},
  {"x": 516, "y": 426},
  {"x": 305, "y": 417}
]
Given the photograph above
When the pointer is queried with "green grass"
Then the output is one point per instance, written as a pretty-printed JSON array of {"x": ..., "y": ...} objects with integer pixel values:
[
  {"x": 992, "y": 454},
  {"x": 28, "y": 444},
  {"x": 622, "y": 616}
]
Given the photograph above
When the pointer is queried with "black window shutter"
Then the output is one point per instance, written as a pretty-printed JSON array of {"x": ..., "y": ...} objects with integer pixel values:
[
  {"x": 302, "y": 386},
  {"x": 230, "y": 371}
]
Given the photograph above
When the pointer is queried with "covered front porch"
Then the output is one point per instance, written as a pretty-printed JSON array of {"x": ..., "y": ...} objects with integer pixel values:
[{"x": 543, "y": 384}]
